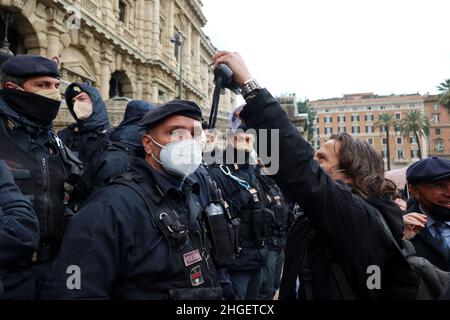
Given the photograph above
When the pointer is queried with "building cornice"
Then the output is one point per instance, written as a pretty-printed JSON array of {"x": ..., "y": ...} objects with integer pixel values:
[{"x": 102, "y": 31}]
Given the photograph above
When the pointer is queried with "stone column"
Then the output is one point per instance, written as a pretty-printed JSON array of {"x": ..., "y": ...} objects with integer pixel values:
[
  {"x": 148, "y": 28},
  {"x": 196, "y": 64},
  {"x": 53, "y": 44},
  {"x": 187, "y": 51},
  {"x": 171, "y": 29},
  {"x": 140, "y": 23},
  {"x": 155, "y": 90},
  {"x": 105, "y": 77},
  {"x": 139, "y": 83},
  {"x": 157, "y": 46}
]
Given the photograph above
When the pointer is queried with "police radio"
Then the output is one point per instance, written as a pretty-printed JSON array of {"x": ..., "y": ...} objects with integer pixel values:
[{"x": 223, "y": 79}]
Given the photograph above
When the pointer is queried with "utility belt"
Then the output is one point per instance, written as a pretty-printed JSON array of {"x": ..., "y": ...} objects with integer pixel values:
[{"x": 45, "y": 252}]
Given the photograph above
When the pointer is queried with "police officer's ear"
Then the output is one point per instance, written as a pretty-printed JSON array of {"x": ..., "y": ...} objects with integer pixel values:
[
  {"x": 11, "y": 85},
  {"x": 147, "y": 143}
]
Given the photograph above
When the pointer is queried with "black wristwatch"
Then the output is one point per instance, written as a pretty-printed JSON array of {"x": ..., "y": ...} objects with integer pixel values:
[{"x": 249, "y": 87}]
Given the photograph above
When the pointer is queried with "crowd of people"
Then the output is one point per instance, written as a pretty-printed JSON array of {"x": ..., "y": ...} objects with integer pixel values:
[{"x": 136, "y": 211}]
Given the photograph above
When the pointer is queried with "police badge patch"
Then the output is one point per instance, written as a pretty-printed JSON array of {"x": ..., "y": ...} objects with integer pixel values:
[
  {"x": 196, "y": 276},
  {"x": 192, "y": 257}
]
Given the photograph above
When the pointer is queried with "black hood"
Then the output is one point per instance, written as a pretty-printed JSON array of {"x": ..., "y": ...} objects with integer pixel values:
[
  {"x": 391, "y": 213},
  {"x": 99, "y": 117},
  {"x": 129, "y": 131}
]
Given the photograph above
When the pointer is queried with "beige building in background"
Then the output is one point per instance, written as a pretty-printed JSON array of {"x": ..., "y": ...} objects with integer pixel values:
[
  {"x": 123, "y": 47},
  {"x": 439, "y": 116},
  {"x": 357, "y": 115}
]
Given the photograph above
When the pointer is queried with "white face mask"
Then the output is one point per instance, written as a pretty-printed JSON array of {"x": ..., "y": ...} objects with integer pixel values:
[
  {"x": 53, "y": 94},
  {"x": 180, "y": 157},
  {"x": 82, "y": 109}
]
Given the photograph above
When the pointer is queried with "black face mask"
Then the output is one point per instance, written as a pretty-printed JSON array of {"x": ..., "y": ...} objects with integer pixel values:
[
  {"x": 440, "y": 213},
  {"x": 33, "y": 106}
]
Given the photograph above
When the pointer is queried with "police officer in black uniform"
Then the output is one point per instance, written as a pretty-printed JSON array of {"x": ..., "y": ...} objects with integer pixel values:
[
  {"x": 92, "y": 122},
  {"x": 279, "y": 224},
  {"x": 43, "y": 168},
  {"x": 223, "y": 227},
  {"x": 144, "y": 236},
  {"x": 247, "y": 202},
  {"x": 115, "y": 153},
  {"x": 19, "y": 238}
]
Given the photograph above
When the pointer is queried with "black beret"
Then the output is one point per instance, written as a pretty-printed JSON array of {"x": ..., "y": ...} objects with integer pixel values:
[
  {"x": 428, "y": 170},
  {"x": 29, "y": 66},
  {"x": 173, "y": 108}
]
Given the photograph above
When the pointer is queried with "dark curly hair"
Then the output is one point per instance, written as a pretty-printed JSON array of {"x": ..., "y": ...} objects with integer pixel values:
[{"x": 364, "y": 166}]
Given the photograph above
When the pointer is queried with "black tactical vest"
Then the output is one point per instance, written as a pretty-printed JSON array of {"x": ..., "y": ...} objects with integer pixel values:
[
  {"x": 281, "y": 216},
  {"x": 189, "y": 273},
  {"x": 38, "y": 170},
  {"x": 253, "y": 215}
]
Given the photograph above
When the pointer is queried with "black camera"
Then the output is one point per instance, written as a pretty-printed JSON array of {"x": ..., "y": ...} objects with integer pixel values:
[{"x": 223, "y": 79}]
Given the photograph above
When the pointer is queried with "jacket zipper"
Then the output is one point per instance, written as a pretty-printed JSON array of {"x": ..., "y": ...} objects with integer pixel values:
[{"x": 46, "y": 200}]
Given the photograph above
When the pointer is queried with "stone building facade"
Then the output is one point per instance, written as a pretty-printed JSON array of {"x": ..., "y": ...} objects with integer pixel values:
[
  {"x": 299, "y": 120},
  {"x": 128, "y": 49}
]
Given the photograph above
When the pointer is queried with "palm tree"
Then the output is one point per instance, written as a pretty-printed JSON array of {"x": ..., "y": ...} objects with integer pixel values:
[
  {"x": 417, "y": 124},
  {"x": 444, "y": 93},
  {"x": 385, "y": 122}
]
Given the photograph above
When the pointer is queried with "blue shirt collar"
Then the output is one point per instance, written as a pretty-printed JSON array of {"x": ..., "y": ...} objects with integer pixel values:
[{"x": 430, "y": 220}]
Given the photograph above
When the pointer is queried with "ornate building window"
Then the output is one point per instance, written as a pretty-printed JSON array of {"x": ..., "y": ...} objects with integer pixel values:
[
  {"x": 436, "y": 118},
  {"x": 122, "y": 11},
  {"x": 439, "y": 146},
  {"x": 115, "y": 85}
]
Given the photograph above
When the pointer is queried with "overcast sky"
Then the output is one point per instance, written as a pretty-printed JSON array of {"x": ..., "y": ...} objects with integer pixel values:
[{"x": 325, "y": 48}]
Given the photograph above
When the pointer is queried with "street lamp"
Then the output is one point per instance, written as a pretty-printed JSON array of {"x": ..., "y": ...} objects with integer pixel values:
[
  {"x": 6, "y": 19},
  {"x": 177, "y": 40}
]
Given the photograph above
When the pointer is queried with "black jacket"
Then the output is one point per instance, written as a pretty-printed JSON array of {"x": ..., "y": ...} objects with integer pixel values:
[
  {"x": 19, "y": 238},
  {"x": 426, "y": 246},
  {"x": 118, "y": 243},
  {"x": 251, "y": 214},
  {"x": 347, "y": 223}
]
